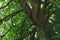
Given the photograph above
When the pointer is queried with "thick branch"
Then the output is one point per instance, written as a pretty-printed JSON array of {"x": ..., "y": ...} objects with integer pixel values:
[{"x": 25, "y": 6}]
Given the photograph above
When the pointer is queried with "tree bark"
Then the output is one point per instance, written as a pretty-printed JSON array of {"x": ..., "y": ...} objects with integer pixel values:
[{"x": 40, "y": 22}]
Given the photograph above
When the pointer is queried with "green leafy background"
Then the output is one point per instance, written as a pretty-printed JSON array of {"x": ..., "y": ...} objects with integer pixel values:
[{"x": 19, "y": 25}]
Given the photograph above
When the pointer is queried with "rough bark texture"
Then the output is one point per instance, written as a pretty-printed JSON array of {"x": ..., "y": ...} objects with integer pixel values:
[{"x": 37, "y": 16}]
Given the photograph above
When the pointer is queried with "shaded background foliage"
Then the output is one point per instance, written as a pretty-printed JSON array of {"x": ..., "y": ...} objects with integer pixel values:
[{"x": 16, "y": 25}]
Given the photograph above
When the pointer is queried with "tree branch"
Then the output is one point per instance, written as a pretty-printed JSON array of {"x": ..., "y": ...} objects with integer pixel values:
[
  {"x": 10, "y": 16},
  {"x": 58, "y": 5},
  {"x": 20, "y": 27},
  {"x": 5, "y": 5},
  {"x": 25, "y": 6},
  {"x": 14, "y": 26}
]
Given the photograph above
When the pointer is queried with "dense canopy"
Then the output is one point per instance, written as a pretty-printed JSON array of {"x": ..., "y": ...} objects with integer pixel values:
[{"x": 29, "y": 19}]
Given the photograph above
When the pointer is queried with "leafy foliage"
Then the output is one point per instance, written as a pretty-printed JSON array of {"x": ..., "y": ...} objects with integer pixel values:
[{"x": 16, "y": 24}]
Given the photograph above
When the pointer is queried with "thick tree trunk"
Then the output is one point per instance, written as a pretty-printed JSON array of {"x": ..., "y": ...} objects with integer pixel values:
[
  {"x": 41, "y": 33},
  {"x": 39, "y": 22}
]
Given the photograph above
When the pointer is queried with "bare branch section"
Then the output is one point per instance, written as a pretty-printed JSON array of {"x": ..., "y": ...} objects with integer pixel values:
[
  {"x": 6, "y": 5},
  {"x": 57, "y": 4},
  {"x": 10, "y": 16},
  {"x": 37, "y": 15},
  {"x": 25, "y": 6},
  {"x": 35, "y": 9}
]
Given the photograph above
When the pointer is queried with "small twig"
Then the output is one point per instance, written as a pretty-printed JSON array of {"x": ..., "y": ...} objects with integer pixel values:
[
  {"x": 9, "y": 30},
  {"x": 5, "y": 5},
  {"x": 20, "y": 26},
  {"x": 10, "y": 16},
  {"x": 57, "y": 4}
]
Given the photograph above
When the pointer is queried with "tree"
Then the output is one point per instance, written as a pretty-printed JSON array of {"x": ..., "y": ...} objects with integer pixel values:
[{"x": 29, "y": 20}]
